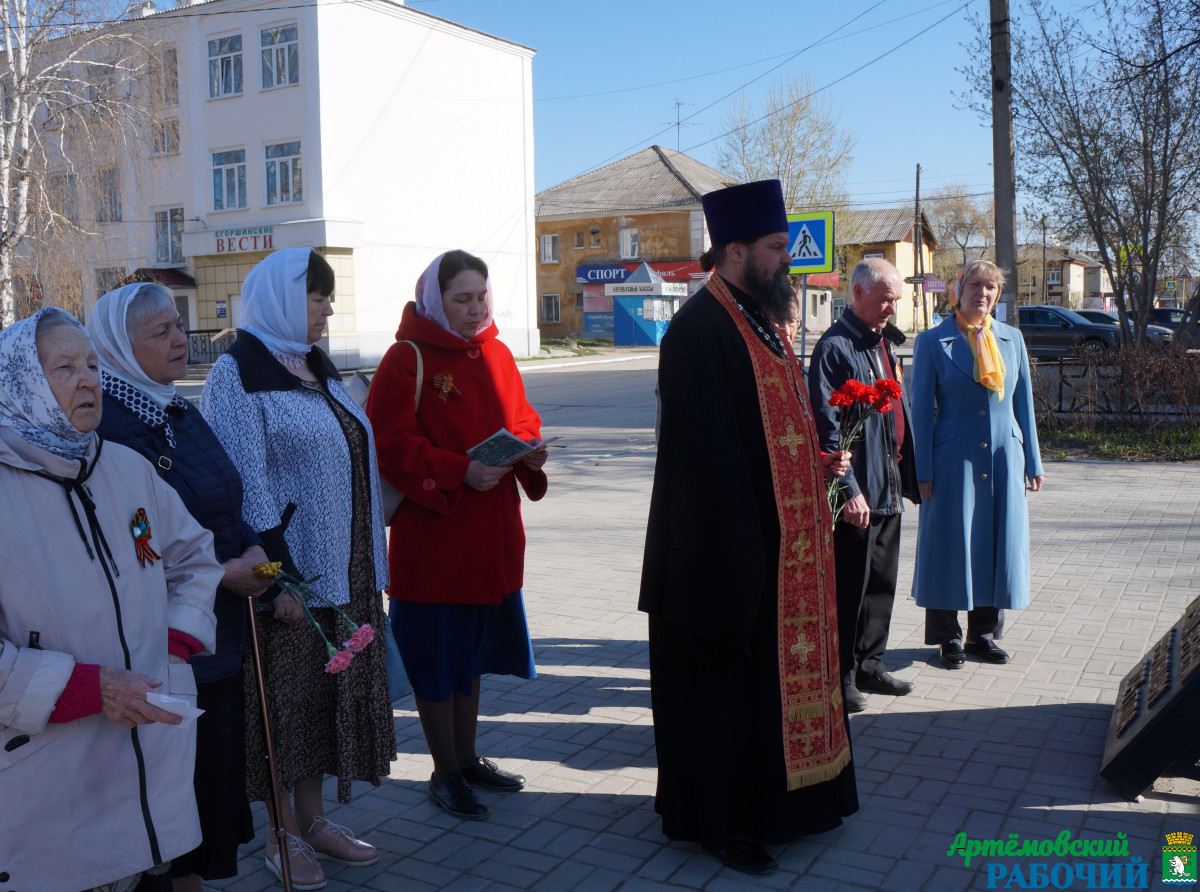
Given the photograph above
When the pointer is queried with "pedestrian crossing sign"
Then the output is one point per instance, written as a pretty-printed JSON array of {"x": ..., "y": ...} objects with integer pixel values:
[{"x": 810, "y": 239}]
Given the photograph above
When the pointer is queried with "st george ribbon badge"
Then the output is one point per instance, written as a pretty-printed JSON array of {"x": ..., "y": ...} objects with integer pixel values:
[
  {"x": 141, "y": 538},
  {"x": 1179, "y": 860}
]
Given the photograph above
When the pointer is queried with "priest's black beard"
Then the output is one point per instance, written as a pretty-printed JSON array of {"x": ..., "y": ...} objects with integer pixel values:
[{"x": 774, "y": 293}]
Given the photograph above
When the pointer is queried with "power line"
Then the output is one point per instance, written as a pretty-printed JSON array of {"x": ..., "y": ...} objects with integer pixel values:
[
  {"x": 712, "y": 73},
  {"x": 835, "y": 81},
  {"x": 743, "y": 86}
]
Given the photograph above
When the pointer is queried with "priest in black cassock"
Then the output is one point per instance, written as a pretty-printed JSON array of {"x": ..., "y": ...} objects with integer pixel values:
[{"x": 738, "y": 579}]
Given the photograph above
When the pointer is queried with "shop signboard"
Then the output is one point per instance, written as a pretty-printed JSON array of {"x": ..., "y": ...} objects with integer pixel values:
[{"x": 598, "y": 322}]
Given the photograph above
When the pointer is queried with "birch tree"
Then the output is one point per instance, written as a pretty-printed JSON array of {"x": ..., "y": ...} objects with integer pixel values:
[
  {"x": 791, "y": 135},
  {"x": 71, "y": 107},
  {"x": 964, "y": 223}
]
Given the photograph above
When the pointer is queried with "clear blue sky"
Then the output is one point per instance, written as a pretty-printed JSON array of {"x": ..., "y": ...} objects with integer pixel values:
[{"x": 600, "y": 73}]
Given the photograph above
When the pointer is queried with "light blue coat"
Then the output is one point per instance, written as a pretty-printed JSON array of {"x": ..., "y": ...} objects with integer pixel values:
[{"x": 973, "y": 535}]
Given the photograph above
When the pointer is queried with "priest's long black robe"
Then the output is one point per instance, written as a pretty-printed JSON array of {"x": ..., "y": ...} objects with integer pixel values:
[{"x": 709, "y": 584}]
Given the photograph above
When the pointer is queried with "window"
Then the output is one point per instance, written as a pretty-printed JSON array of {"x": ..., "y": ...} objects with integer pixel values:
[
  {"x": 225, "y": 66},
  {"x": 168, "y": 236},
  {"x": 101, "y": 82},
  {"x": 229, "y": 180},
  {"x": 280, "y": 56},
  {"x": 109, "y": 278},
  {"x": 1054, "y": 275},
  {"x": 550, "y": 308},
  {"x": 283, "y": 174},
  {"x": 579, "y": 301},
  {"x": 629, "y": 244},
  {"x": 162, "y": 69},
  {"x": 164, "y": 138},
  {"x": 549, "y": 249},
  {"x": 579, "y": 240},
  {"x": 108, "y": 195},
  {"x": 594, "y": 232},
  {"x": 64, "y": 195}
]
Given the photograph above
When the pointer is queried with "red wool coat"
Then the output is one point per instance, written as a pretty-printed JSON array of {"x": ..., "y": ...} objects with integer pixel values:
[{"x": 451, "y": 544}]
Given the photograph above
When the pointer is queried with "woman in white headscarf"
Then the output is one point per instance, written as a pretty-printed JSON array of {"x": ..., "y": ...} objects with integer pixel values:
[
  {"x": 456, "y": 619},
  {"x": 306, "y": 457},
  {"x": 143, "y": 351},
  {"x": 106, "y": 590}
]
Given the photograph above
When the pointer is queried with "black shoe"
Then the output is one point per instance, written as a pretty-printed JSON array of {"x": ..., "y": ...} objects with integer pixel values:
[
  {"x": 747, "y": 857},
  {"x": 987, "y": 650},
  {"x": 457, "y": 798},
  {"x": 951, "y": 655},
  {"x": 484, "y": 774},
  {"x": 883, "y": 682},
  {"x": 852, "y": 699}
]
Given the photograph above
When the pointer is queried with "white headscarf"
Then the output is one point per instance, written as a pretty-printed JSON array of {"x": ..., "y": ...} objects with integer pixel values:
[
  {"x": 429, "y": 299},
  {"x": 27, "y": 404},
  {"x": 108, "y": 326},
  {"x": 275, "y": 305}
]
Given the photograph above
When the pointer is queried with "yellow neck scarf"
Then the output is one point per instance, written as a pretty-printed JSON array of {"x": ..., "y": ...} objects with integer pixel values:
[{"x": 989, "y": 365}]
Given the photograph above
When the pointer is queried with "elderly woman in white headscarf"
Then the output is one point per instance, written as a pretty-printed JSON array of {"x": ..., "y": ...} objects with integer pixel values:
[
  {"x": 106, "y": 589},
  {"x": 143, "y": 351},
  {"x": 448, "y": 384},
  {"x": 305, "y": 453}
]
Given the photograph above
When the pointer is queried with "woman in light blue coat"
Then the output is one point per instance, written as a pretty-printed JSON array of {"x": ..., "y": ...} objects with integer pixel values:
[{"x": 977, "y": 454}]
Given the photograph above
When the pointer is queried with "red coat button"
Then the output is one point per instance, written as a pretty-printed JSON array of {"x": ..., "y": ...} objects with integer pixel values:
[
  {"x": 473, "y": 353},
  {"x": 429, "y": 485}
]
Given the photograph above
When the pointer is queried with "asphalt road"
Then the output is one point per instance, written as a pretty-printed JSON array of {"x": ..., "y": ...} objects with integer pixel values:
[{"x": 600, "y": 407}]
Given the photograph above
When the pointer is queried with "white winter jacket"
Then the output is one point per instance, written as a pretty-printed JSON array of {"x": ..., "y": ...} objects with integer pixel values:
[{"x": 88, "y": 802}]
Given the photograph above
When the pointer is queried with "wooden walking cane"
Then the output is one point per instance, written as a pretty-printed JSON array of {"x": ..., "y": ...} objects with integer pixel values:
[{"x": 276, "y": 793}]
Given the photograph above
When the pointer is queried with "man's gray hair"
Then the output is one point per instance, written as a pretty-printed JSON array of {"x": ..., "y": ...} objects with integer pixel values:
[
  {"x": 870, "y": 271},
  {"x": 150, "y": 300}
]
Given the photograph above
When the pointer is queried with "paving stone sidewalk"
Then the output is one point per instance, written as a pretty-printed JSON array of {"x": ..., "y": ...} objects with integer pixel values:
[{"x": 989, "y": 751}]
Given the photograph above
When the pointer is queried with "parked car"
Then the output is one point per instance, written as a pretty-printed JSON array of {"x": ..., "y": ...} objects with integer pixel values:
[
  {"x": 1171, "y": 317},
  {"x": 1051, "y": 332},
  {"x": 1158, "y": 335}
]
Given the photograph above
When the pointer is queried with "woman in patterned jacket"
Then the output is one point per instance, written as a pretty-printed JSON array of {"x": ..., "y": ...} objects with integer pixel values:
[{"x": 306, "y": 456}]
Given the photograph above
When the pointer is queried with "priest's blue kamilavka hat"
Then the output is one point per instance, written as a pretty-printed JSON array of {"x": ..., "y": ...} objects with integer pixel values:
[{"x": 745, "y": 212}]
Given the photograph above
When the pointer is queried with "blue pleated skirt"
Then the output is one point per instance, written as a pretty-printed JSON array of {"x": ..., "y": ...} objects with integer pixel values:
[{"x": 445, "y": 647}]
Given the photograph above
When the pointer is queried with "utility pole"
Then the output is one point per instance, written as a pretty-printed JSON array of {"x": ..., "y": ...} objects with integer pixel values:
[
  {"x": 1043, "y": 258},
  {"x": 1005, "y": 183},
  {"x": 918, "y": 258}
]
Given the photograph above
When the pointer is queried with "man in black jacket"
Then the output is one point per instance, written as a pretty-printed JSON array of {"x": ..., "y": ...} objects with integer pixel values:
[{"x": 859, "y": 346}]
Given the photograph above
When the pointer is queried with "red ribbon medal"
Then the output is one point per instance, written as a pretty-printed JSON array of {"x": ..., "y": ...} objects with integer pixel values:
[{"x": 141, "y": 538}]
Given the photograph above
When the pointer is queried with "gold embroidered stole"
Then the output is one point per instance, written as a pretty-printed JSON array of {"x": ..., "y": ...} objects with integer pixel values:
[{"x": 816, "y": 746}]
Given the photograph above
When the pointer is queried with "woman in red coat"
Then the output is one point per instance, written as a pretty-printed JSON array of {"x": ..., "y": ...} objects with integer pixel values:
[{"x": 458, "y": 545}]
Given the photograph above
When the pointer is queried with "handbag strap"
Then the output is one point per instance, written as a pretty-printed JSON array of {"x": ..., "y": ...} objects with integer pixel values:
[{"x": 420, "y": 375}]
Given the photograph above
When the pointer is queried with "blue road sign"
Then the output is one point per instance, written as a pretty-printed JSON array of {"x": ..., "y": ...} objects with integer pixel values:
[{"x": 811, "y": 237}]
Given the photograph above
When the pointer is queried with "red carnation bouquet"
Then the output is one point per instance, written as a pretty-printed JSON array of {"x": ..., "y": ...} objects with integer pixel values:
[{"x": 856, "y": 403}]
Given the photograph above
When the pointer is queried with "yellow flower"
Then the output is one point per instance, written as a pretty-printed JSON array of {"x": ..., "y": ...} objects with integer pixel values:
[{"x": 269, "y": 571}]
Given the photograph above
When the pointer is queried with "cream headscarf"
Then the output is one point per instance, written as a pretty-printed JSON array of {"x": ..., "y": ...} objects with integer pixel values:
[
  {"x": 429, "y": 299},
  {"x": 108, "y": 326},
  {"x": 989, "y": 364},
  {"x": 275, "y": 305}
]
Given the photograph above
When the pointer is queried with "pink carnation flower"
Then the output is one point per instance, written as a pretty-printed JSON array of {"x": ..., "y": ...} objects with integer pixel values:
[
  {"x": 360, "y": 639},
  {"x": 339, "y": 661}
]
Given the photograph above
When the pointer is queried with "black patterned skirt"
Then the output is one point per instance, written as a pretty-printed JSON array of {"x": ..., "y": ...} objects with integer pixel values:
[{"x": 322, "y": 723}]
